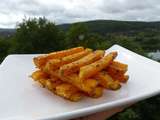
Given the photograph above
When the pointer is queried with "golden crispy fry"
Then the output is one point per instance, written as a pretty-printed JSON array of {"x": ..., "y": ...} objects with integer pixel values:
[
  {"x": 114, "y": 71},
  {"x": 54, "y": 64},
  {"x": 49, "y": 85},
  {"x": 37, "y": 75},
  {"x": 98, "y": 92},
  {"x": 41, "y": 60},
  {"x": 117, "y": 67},
  {"x": 117, "y": 75},
  {"x": 121, "y": 78},
  {"x": 43, "y": 80},
  {"x": 92, "y": 69},
  {"x": 64, "y": 90},
  {"x": 72, "y": 79},
  {"x": 54, "y": 84},
  {"x": 106, "y": 81},
  {"x": 60, "y": 88},
  {"x": 76, "y": 96},
  {"x": 87, "y": 86},
  {"x": 91, "y": 83},
  {"x": 75, "y": 66}
]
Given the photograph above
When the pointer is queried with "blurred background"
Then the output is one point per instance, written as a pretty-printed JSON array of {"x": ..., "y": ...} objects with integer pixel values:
[{"x": 39, "y": 26}]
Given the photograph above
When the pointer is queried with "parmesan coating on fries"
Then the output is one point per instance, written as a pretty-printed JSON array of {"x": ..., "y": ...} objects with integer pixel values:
[
  {"x": 92, "y": 69},
  {"x": 75, "y": 66},
  {"x": 42, "y": 60},
  {"x": 78, "y": 72}
]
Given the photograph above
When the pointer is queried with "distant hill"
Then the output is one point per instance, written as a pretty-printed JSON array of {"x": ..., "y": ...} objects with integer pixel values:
[
  {"x": 6, "y": 32},
  {"x": 111, "y": 26},
  {"x": 106, "y": 26}
]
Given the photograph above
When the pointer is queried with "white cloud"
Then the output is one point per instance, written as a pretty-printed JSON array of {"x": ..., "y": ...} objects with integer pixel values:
[{"x": 67, "y": 11}]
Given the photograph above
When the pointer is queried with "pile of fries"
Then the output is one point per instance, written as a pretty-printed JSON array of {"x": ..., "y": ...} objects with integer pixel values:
[{"x": 78, "y": 72}]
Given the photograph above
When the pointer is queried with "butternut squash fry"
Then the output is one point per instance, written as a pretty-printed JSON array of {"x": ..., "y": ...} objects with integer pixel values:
[
  {"x": 41, "y": 60},
  {"x": 75, "y": 66},
  {"x": 92, "y": 69},
  {"x": 54, "y": 64},
  {"x": 106, "y": 81}
]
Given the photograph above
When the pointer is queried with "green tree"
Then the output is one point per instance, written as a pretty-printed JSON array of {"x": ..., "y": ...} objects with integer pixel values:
[
  {"x": 76, "y": 34},
  {"x": 96, "y": 41},
  {"x": 149, "y": 40},
  {"x": 37, "y": 36},
  {"x": 127, "y": 42},
  {"x": 4, "y": 46}
]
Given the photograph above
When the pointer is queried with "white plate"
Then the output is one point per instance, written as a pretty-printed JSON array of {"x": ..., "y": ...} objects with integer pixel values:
[{"x": 21, "y": 98}]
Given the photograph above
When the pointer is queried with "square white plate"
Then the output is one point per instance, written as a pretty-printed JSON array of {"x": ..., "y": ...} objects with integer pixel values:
[{"x": 21, "y": 98}]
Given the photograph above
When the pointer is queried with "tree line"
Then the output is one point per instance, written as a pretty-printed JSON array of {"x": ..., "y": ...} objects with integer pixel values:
[{"x": 43, "y": 36}]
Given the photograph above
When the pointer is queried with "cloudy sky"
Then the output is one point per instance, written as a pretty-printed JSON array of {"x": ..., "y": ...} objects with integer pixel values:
[{"x": 67, "y": 11}]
